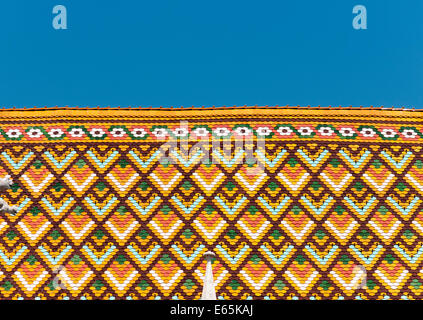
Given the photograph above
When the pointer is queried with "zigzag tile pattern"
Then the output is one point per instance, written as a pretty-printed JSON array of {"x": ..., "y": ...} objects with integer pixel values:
[{"x": 314, "y": 218}]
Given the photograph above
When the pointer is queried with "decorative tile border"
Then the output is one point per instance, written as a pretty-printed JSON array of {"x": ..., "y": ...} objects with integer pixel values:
[{"x": 282, "y": 131}]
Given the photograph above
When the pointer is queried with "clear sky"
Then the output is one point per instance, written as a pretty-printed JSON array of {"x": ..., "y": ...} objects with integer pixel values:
[{"x": 220, "y": 52}]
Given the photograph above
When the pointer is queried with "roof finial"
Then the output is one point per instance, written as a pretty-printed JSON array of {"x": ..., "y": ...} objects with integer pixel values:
[
  {"x": 6, "y": 183},
  {"x": 209, "y": 292}
]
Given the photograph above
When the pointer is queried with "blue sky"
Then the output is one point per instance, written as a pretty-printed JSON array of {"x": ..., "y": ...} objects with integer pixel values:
[{"x": 220, "y": 52}]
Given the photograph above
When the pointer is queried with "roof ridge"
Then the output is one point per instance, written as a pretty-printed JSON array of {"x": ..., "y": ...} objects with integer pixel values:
[{"x": 319, "y": 107}]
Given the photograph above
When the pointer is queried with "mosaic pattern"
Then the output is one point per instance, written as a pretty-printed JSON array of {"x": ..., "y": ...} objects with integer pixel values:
[
  {"x": 116, "y": 132},
  {"x": 335, "y": 215}
]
